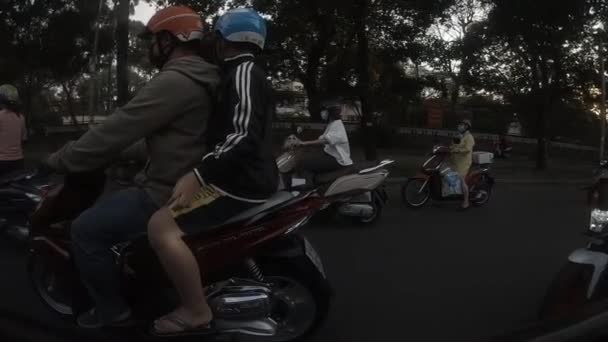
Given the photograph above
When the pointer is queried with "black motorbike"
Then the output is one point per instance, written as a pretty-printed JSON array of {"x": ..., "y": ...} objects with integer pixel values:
[
  {"x": 583, "y": 279},
  {"x": 20, "y": 194}
]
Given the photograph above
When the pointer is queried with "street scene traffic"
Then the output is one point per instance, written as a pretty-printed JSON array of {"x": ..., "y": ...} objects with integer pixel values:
[{"x": 303, "y": 171}]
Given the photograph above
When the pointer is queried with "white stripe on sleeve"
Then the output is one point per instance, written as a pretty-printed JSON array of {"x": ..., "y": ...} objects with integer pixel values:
[{"x": 242, "y": 111}]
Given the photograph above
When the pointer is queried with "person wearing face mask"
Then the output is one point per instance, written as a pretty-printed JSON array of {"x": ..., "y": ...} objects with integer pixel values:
[
  {"x": 331, "y": 151},
  {"x": 170, "y": 113},
  {"x": 462, "y": 157},
  {"x": 239, "y": 171}
]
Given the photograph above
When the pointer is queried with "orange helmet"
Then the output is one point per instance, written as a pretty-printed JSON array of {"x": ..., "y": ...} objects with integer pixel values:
[{"x": 182, "y": 22}]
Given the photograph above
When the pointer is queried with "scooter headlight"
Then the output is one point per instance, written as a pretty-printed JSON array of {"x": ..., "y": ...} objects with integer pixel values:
[{"x": 598, "y": 221}]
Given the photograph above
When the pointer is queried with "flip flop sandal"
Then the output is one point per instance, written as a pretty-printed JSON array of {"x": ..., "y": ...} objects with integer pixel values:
[{"x": 186, "y": 328}]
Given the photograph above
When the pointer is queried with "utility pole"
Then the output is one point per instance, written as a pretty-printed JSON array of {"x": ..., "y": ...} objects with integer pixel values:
[
  {"x": 602, "y": 100},
  {"x": 93, "y": 67}
]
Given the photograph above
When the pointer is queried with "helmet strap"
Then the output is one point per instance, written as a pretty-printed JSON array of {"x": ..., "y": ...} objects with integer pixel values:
[{"x": 164, "y": 52}]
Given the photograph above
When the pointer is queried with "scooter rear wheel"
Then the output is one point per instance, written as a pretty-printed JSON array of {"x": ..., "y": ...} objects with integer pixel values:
[
  {"x": 481, "y": 193},
  {"x": 300, "y": 304},
  {"x": 377, "y": 205}
]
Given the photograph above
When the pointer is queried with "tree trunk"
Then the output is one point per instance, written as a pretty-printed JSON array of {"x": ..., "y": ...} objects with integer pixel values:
[
  {"x": 70, "y": 99},
  {"x": 325, "y": 31},
  {"x": 310, "y": 81},
  {"x": 27, "y": 101},
  {"x": 545, "y": 105},
  {"x": 543, "y": 109},
  {"x": 541, "y": 150},
  {"x": 455, "y": 95},
  {"x": 363, "y": 66},
  {"x": 314, "y": 106},
  {"x": 122, "y": 52},
  {"x": 109, "y": 98}
]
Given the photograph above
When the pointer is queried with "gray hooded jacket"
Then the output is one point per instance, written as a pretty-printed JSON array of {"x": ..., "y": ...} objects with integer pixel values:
[{"x": 170, "y": 113}]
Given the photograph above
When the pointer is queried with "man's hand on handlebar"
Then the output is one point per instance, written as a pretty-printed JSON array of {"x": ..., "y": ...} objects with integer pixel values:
[{"x": 44, "y": 168}]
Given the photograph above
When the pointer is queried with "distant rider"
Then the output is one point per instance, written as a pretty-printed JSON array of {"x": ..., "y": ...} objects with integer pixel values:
[{"x": 462, "y": 157}]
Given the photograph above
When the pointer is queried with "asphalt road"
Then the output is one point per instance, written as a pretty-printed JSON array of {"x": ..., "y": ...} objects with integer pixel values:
[{"x": 435, "y": 274}]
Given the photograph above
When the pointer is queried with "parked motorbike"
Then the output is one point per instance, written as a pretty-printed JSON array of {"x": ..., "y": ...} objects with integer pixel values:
[
  {"x": 262, "y": 279},
  {"x": 583, "y": 279},
  {"x": 428, "y": 183},
  {"x": 20, "y": 193},
  {"x": 363, "y": 206}
]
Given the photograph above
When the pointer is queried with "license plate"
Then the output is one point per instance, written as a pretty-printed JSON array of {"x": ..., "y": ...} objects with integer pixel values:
[{"x": 312, "y": 254}]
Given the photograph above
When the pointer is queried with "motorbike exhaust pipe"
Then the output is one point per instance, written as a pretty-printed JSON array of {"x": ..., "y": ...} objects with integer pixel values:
[{"x": 356, "y": 210}]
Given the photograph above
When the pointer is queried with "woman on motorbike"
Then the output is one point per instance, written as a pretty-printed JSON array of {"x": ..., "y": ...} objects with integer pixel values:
[
  {"x": 335, "y": 152},
  {"x": 12, "y": 130},
  {"x": 462, "y": 157}
]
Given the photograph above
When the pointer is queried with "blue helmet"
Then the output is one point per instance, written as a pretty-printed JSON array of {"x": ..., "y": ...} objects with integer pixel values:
[{"x": 242, "y": 25}]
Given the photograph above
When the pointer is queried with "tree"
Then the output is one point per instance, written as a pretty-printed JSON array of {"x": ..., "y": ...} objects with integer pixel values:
[
  {"x": 453, "y": 40},
  {"x": 536, "y": 37},
  {"x": 123, "y": 9},
  {"x": 50, "y": 43}
]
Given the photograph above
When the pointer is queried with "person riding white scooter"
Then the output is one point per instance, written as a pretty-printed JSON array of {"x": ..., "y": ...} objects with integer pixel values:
[{"x": 335, "y": 154}]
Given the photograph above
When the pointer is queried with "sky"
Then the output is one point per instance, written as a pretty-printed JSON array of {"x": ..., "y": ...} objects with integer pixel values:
[{"x": 143, "y": 12}]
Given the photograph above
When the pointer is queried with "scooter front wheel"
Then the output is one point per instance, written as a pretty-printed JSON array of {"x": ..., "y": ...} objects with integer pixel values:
[
  {"x": 51, "y": 283},
  {"x": 567, "y": 293},
  {"x": 416, "y": 192}
]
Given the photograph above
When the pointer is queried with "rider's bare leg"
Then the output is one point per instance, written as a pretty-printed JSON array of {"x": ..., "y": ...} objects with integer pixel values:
[
  {"x": 183, "y": 270},
  {"x": 465, "y": 193}
]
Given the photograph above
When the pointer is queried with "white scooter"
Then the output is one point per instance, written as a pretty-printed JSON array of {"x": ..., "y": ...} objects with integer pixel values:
[{"x": 363, "y": 206}]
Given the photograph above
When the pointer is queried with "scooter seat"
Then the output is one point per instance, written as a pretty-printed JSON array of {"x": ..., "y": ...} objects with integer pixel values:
[
  {"x": 328, "y": 177},
  {"x": 276, "y": 200}
]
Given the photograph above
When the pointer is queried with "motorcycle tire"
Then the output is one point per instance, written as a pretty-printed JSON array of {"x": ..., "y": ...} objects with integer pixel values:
[
  {"x": 486, "y": 188},
  {"x": 377, "y": 205},
  {"x": 300, "y": 272},
  {"x": 46, "y": 279},
  {"x": 567, "y": 293},
  {"x": 426, "y": 194}
]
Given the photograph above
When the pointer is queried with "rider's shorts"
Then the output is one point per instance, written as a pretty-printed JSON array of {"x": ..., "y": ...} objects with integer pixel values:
[{"x": 208, "y": 210}]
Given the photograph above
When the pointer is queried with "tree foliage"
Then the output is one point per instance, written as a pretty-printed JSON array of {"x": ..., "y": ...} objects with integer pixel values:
[{"x": 537, "y": 58}]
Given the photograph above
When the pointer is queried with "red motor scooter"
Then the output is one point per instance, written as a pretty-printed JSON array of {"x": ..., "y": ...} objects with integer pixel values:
[
  {"x": 261, "y": 278},
  {"x": 428, "y": 183}
]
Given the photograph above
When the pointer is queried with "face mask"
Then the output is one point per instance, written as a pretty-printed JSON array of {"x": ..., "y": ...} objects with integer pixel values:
[
  {"x": 154, "y": 57},
  {"x": 462, "y": 128},
  {"x": 219, "y": 50},
  {"x": 324, "y": 115},
  {"x": 209, "y": 50},
  {"x": 159, "y": 56}
]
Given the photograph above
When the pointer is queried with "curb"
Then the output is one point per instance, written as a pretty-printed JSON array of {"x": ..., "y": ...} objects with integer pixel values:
[
  {"x": 402, "y": 180},
  {"x": 545, "y": 181}
]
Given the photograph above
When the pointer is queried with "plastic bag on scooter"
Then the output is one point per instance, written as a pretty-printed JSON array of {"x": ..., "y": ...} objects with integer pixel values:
[
  {"x": 286, "y": 162},
  {"x": 451, "y": 183}
]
